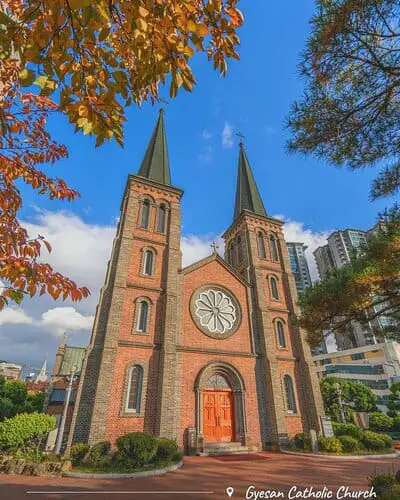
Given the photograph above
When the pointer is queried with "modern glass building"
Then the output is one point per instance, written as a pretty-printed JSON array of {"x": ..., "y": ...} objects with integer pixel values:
[{"x": 299, "y": 265}]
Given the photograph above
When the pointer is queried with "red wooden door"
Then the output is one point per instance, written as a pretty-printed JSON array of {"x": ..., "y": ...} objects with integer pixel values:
[{"x": 218, "y": 416}]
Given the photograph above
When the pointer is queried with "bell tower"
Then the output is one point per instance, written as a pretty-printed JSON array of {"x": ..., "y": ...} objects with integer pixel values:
[
  {"x": 129, "y": 376},
  {"x": 288, "y": 389}
]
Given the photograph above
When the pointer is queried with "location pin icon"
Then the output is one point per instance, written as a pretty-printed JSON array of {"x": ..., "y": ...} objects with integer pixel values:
[{"x": 229, "y": 491}]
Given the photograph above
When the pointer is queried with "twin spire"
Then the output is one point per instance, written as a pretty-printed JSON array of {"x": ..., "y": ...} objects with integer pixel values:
[{"x": 155, "y": 167}]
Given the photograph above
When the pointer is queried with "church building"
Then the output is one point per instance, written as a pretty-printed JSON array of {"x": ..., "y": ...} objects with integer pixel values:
[{"x": 209, "y": 351}]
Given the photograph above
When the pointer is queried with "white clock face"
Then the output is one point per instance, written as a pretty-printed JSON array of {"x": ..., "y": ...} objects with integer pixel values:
[{"x": 216, "y": 311}]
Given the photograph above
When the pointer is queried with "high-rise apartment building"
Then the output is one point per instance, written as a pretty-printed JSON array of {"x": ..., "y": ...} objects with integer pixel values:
[{"x": 299, "y": 265}]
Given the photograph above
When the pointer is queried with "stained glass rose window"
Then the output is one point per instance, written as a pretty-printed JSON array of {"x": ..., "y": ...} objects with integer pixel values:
[{"x": 216, "y": 311}]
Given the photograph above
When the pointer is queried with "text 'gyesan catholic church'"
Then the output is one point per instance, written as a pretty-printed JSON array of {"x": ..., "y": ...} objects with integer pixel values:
[{"x": 211, "y": 347}]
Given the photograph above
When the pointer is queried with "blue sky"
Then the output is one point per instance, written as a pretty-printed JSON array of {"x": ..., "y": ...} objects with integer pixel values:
[{"x": 254, "y": 99}]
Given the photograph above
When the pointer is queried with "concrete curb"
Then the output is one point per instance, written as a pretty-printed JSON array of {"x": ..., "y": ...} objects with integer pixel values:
[
  {"x": 155, "y": 472},
  {"x": 340, "y": 457}
]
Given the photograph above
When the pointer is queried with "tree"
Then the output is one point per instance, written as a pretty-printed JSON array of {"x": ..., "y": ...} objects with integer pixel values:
[
  {"x": 14, "y": 399},
  {"x": 349, "y": 113},
  {"x": 367, "y": 288},
  {"x": 95, "y": 58},
  {"x": 355, "y": 397},
  {"x": 394, "y": 399}
]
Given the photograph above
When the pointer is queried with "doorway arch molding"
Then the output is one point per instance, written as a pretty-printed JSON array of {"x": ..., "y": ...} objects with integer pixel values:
[{"x": 235, "y": 380}]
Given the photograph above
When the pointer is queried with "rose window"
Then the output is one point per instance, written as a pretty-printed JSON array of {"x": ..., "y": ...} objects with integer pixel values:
[{"x": 216, "y": 311}]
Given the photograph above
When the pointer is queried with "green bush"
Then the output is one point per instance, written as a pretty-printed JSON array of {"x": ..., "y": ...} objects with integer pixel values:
[
  {"x": 380, "y": 422},
  {"x": 79, "y": 452},
  {"x": 139, "y": 447},
  {"x": 381, "y": 483},
  {"x": 25, "y": 431},
  {"x": 330, "y": 444},
  {"x": 349, "y": 443},
  {"x": 374, "y": 441},
  {"x": 166, "y": 449},
  {"x": 346, "y": 430},
  {"x": 303, "y": 441},
  {"x": 396, "y": 423},
  {"x": 97, "y": 453}
]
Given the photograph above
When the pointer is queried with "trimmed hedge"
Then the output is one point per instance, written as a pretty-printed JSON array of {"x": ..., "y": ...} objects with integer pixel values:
[
  {"x": 374, "y": 441},
  {"x": 25, "y": 430},
  {"x": 98, "y": 454},
  {"x": 166, "y": 449},
  {"x": 349, "y": 443},
  {"x": 79, "y": 452},
  {"x": 138, "y": 448},
  {"x": 330, "y": 444},
  {"x": 380, "y": 422},
  {"x": 346, "y": 430},
  {"x": 303, "y": 441}
]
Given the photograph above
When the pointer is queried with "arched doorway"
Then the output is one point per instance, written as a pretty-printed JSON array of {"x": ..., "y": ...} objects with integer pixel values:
[{"x": 220, "y": 403}]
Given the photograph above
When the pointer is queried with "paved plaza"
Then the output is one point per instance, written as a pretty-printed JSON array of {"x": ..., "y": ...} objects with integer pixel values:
[{"x": 205, "y": 477}]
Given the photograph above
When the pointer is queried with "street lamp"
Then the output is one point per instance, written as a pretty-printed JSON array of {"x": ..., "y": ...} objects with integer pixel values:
[
  {"x": 338, "y": 391},
  {"x": 61, "y": 429}
]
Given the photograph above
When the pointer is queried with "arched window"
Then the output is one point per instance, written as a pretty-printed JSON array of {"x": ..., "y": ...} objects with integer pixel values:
[
  {"x": 142, "y": 316},
  {"x": 161, "y": 218},
  {"x": 289, "y": 393},
  {"x": 240, "y": 249},
  {"x": 233, "y": 254},
  {"x": 134, "y": 389},
  {"x": 274, "y": 247},
  {"x": 274, "y": 288},
  {"x": 280, "y": 333},
  {"x": 145, "y": 218},
  {"x": 261, "y": 245},
  {"x": 148, "y": 263},
  {"x": 217, "y": 382}
]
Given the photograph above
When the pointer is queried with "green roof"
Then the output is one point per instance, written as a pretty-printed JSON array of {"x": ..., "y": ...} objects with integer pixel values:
[
  {"x": 155, "y": 164},
  {"x": 73, "y": 356},
  {"x": 247, "y": 194}
]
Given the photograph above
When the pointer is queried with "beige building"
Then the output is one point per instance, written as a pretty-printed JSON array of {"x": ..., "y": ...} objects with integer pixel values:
[
  {"x": 376, "y": 366},
  {"x": 10, "y": 371}
]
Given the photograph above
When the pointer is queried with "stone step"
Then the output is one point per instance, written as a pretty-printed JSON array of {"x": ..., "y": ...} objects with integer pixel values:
[
  {"x": 231, "y": 451},
  {"x": 230, "y": 444}
]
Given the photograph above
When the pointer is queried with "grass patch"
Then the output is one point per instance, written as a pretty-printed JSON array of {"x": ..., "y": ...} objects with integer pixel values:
[
  {"x": 344, "y": 454},
  {"x": 113, "y": 469}
]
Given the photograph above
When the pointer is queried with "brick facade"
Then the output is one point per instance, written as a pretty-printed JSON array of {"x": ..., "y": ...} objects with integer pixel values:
[{"x": 174, "y": 355}]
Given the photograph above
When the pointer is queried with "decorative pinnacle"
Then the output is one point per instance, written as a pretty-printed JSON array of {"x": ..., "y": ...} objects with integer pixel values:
[{"x": 241, "y": 137}]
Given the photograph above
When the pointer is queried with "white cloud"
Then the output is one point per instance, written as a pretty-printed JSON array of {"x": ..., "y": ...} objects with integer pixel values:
[
  {"x": 81, "y": 251},
  {"x": 63, "y": 319},
  {"x": 207, "y": 155},
  {"x": 14, "y": 315},
  {"x": 196, "y": 247},
  {"x": 295, "y": 232},
  {"x": 206, "y": 135},
  {"x": 227, "y": 136}
]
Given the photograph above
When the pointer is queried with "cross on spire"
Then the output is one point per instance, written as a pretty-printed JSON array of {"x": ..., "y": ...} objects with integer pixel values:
[
  {"x": 214, "y": 246},
  {"x": 241, "y": 137}
]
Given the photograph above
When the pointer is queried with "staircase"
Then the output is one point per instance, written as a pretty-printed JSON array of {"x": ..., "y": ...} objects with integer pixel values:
[{"x": 233, "y": 448}]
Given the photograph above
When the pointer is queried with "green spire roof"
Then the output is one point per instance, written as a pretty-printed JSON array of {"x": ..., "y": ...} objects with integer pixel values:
[
  {"x": 247, "y": 195},
  {"x": 155, "y": 164}
]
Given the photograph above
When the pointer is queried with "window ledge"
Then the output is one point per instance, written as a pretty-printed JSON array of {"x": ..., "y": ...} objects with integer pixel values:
[{"x": 131, "y": 414}]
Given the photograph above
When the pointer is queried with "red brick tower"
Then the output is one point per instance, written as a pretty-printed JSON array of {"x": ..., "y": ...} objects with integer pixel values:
[
  {"x": 128, "y": 380},
  {"x": 288, "y": 390}
]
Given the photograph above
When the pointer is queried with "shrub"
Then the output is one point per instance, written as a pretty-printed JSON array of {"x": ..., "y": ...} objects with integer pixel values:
[
  {"x": 25, "y": 432},
  {"x": 349, "y": 443},
  {"x": 303, "y": 441},
  {"x": 380, "y": 422},
  {"x": 396, "y": 423},
  {"x": 375, "y": 441},
  {"x": 330, "y": 444},
  {"x": 346, "y": 430},
  {"x": 381, "y": 482},
  {"x": 138, "y": 447},
  {"x": 166, "y": 449},
  {"x": 387, "y": 439},
  {"x": 79, "y": 452},
  {"x": 97, "y": 453}
]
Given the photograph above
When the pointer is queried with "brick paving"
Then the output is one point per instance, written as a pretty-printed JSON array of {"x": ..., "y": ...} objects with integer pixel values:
[{"x": 207, "y": 475}]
